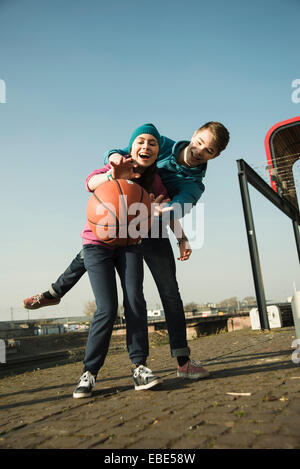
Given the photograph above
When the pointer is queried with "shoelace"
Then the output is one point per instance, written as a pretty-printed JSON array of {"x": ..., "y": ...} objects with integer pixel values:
[
  {"x": 36, "y": 299},
  {"x": 86, "y": 379},
  {"x": 143, "y": 371},
  {"x": 195, "y": 363}
]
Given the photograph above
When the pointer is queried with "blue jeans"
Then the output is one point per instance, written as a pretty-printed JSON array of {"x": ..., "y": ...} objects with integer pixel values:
[
  {"x": 69, "y": 277},
  {"x": 101, "y": 264},
  {"x": 158, "y": 255}
]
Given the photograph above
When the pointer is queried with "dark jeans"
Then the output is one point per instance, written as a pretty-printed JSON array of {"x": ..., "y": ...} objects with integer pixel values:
[
  {"x": 101, "y": 264},
  {"x": 159, "y": 257},
  {"x": 70, "y": 277}
]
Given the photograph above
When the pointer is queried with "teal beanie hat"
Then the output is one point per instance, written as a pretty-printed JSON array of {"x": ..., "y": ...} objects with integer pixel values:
[{"x": 144, "y": 129}]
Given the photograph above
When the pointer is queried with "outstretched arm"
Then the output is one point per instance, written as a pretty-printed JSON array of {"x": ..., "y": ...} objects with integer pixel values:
[
  {"x": 162, "y": 207},
  {"x": 121, "y": 170},
  {"x": 182, "y": 241}
]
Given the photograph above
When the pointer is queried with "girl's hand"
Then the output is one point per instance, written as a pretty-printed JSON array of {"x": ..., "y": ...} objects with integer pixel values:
[
  {"x": 116, "y": 158},
  {"x": 123, "y": 168},
  {"x": 185, "y": 250}
]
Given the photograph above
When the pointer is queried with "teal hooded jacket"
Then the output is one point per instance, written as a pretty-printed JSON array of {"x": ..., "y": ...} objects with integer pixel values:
[{"x": 183, "y": 184}]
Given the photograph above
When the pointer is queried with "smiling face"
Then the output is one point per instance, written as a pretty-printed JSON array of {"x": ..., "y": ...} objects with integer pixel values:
[
  {"x": 202, "y": 148},
  {"x": 144, "y": 150}
]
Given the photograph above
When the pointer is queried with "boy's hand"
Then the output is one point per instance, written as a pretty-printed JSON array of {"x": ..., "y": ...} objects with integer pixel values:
[
  {"x": 160, "y": 205},
  {"x": 185, "y": 250}
]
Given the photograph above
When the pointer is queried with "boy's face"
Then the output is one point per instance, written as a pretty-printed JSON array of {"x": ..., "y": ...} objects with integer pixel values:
[{"x": 201, "y": 149}]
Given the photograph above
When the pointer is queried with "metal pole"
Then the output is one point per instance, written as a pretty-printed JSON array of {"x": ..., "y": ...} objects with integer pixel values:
[
  {"x": 257, "y": 275},
  {"x": 297, "y": 237}
]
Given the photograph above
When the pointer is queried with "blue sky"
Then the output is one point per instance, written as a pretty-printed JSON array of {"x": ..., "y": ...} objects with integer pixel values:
[{"x": 81, "y": 76}]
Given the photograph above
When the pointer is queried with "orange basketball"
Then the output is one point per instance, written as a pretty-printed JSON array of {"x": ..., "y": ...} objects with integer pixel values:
[{"x": 119, "y": 212}]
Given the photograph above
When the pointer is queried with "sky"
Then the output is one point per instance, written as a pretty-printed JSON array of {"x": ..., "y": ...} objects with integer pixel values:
[{"x": 81, "y": 76}]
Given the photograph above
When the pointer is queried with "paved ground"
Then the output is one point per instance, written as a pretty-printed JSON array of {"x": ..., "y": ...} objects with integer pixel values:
[{"x": 37, "y": 409}]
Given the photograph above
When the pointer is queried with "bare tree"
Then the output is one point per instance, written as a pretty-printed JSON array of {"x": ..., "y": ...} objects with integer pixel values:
[
  {"x": 189, "y": 307},
  {"x": 249, "y": 300},
  {"x": 229, "y": 302},
  {"x": 89, "y": 308}
]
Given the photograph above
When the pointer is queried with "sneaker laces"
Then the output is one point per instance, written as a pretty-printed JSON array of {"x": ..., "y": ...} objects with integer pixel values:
[
  {"x": 86, "y": 379},
  {"x": 143, "y": 371},
  {"x": 36, "y": 299},
  {"x": 195, "y": 363}
]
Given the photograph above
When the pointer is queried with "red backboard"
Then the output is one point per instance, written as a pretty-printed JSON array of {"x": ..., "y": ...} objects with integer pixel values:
[{"x": 282, "y": 145}]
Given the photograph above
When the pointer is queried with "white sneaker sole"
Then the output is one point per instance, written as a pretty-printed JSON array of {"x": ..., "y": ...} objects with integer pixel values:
[
  {"x": 189, "y": 376},
  {"x": 81, "y": 395},
  {"x": 147, "y": 386}
]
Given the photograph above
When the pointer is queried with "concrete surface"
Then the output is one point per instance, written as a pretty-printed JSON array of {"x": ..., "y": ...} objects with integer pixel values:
[{"x": 37, "y": 410}]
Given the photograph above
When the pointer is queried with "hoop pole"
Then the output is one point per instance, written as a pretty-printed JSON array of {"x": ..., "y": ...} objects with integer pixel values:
[
  {"x": 297, "y": 237},
  {"x": 256, "y": 269}
]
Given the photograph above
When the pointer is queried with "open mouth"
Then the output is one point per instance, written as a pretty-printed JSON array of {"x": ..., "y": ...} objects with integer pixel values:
[{"x": 143, "y": 156}]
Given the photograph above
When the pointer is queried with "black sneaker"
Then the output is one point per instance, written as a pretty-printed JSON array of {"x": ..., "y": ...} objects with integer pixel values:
[
  {"x": 84, "y": 386},
  {"x": 143, "y": 378}
]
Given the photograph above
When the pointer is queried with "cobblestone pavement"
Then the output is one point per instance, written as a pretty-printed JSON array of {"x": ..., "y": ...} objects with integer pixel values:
[{"x": 37, "y": 409}]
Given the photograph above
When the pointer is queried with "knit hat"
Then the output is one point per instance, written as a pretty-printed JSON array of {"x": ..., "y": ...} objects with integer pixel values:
[{"x": 144, "y": 129}]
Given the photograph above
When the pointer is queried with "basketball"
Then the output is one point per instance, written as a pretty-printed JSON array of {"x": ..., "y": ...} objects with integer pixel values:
[{"x": 119, "y": 212}]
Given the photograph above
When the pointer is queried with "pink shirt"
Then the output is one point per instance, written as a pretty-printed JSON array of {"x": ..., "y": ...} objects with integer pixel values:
[{"x": 88, "y": 237}]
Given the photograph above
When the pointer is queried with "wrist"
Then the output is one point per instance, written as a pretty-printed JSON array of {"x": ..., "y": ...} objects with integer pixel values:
[
  {"x": 109, "y": 175},
  {"x": 181, "y": 240}
]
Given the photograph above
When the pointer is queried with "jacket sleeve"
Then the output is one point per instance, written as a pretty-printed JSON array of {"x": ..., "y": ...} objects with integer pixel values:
[
  {"x": 184, "y": 201},
  {"x": 165, "y": 147}
]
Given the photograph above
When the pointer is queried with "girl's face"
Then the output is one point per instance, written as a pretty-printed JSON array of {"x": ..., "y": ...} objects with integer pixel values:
[{"x": 144, "y": 150}]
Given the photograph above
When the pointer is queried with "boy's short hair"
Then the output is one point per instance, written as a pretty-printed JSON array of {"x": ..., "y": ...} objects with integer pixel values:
[{"x": 220, "y": 133}]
